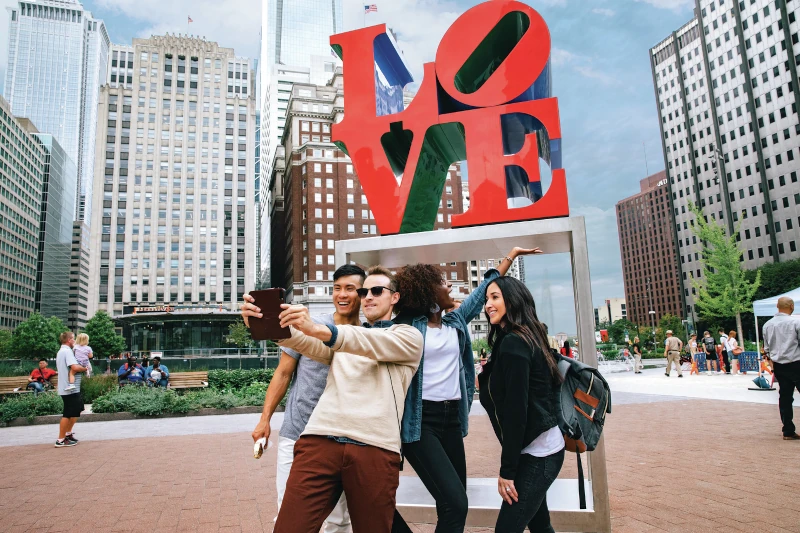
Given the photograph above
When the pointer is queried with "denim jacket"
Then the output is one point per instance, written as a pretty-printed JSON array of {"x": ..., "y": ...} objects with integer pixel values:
[{"x": 458, "y": 319}]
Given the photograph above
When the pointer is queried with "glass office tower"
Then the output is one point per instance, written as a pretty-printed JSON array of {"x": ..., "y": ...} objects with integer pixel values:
[
  {"x": 55, "y": 232},
  {"x": 295, "y": 48},
  {"x": 57, "y": 59}
]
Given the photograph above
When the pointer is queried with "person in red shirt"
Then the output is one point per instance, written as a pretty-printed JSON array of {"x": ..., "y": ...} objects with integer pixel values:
[{"x": 40, "y": 377}]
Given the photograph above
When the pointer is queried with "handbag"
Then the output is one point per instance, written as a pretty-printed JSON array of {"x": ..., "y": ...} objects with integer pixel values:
[{"x": 738, "y": 350}]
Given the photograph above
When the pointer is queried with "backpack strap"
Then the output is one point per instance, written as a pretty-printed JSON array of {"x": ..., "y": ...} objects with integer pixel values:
[{"x": 581, "y": 488}]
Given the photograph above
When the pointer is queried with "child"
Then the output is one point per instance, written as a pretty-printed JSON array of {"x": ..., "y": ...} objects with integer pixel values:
[{"x": 83, "y": 352}]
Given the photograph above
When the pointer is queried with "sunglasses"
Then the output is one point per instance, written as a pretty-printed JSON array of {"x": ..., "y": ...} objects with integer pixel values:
[{"x": 376, "y": 291}]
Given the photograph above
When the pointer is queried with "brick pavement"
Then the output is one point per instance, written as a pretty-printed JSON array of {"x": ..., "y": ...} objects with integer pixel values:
[{"x": 683, "y": 466}]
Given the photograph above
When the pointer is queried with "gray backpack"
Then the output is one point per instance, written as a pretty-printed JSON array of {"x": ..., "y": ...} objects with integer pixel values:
[{"x": 584, "y": 401}]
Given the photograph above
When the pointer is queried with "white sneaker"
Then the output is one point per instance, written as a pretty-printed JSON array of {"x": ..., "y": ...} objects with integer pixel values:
[{"x": 70, "y": 387}]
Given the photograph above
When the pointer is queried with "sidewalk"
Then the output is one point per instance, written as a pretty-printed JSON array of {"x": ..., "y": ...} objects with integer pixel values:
[{"x": 675, "y": 464}]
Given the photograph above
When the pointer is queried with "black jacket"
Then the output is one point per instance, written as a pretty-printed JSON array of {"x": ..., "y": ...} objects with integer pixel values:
[{"x": 519, "y": 394}]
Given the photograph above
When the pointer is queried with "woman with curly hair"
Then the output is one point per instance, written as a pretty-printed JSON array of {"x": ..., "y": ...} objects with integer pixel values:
[{"x": 436, "y": 415}]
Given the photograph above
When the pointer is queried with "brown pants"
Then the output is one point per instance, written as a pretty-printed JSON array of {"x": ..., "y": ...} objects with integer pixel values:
[{"x": 322, "y": 469}]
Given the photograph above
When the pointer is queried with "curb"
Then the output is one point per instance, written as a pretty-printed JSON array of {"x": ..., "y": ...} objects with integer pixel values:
[{"x": 110, "y": 417}]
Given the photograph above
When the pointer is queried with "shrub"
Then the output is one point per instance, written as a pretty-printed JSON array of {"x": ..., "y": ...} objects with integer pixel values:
[
  {"x": 29, "y": 406},
  {"x": 141, "y": 401},
  {"x": 96, "y": 386},
  {"x": 208, "y": 398},
  {"x": 238, "y": 379}
]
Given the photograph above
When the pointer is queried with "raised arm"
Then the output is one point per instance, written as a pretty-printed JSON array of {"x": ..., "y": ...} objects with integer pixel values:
[
  {"x": 309, "y": 346},
  {"x": 471, "y": 307},
  {"x": 399, "y": 344}
]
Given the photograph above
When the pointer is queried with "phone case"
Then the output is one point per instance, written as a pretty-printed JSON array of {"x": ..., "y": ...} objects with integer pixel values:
[{"x": 268, "y": 327}]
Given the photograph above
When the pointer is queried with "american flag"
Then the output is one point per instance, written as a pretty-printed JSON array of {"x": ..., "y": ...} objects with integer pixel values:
[
  {"x": 372, "y": 8},
  {"x": 190, "y": 20}
]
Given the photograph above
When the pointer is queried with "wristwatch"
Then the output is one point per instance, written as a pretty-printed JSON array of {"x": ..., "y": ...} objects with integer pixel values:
[{"x": 504, "y": 258}]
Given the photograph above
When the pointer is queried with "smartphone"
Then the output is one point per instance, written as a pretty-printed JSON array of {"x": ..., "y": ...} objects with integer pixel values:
[{"x": 269, "y": 326}]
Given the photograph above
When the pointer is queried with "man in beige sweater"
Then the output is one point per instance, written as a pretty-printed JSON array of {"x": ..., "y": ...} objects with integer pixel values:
[{"x": 352, "y": 440}]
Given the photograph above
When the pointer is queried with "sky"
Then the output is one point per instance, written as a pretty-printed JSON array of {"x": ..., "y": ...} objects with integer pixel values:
[{"x": 601, "y": 77}]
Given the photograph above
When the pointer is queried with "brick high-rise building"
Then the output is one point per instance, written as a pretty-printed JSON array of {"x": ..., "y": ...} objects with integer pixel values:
[
  {"x": 647, "y": 245},
  {"x": 316, "y": 198}
]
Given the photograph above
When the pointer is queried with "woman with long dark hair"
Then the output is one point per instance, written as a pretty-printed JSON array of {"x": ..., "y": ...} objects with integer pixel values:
[
  {"x": 519, "y": 390},
  {"x": 436, "y": 415}
]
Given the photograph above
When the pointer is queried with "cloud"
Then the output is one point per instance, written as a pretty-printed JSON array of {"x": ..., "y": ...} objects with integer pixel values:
[
  {"x": 603, "y": 11},
  {"x": 674, "y": 5},
  {"x": 582, "y": 64},
  {"x": 233, "y": 24}
]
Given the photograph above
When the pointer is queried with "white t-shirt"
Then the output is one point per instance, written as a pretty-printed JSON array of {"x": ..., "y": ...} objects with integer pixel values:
[
  {"x": 440, "y": 367},
  {"x": 548, "y": 443}
]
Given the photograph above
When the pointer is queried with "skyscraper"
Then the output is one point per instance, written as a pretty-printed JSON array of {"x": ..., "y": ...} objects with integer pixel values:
[
  {"x": 57, "y": 60},
  {"x": 295, "y": 48},
  {"x": 727, "y": 91},
  {"x": 647, "y": 245},
  {"x": 174, "y": 210},
  {"x": 21, "y": 169}
]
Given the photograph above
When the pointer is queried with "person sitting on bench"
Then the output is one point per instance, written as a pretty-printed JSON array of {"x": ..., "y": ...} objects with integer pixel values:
[{"x": 39, "y": 380}]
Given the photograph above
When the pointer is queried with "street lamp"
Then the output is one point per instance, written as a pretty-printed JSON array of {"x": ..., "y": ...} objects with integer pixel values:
[{"x": 652, "y": 312}]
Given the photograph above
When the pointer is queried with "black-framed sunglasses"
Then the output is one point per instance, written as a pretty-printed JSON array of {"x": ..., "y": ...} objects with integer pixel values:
[{"x": 376, "y": 291}]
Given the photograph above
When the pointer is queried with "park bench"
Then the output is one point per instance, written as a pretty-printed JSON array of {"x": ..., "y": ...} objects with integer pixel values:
[
  {"x": 188, "y": 380},
  {"x": 19, "y": 384}
]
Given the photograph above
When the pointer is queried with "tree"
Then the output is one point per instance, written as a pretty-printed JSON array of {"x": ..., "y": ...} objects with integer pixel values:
[
  {"x": 617, "y": 330},
  {"x": 103, "y": 338},
  {"x": 239, "y": 335},
  {"x": 670, "y": 323},
  {"x": 724, "y": 290},
  {"x": 36, "y": 337},
  {"x": 776, "y": 278},
  {"x": 5, "y": 344},
  {"x": 480, "y": 344}
]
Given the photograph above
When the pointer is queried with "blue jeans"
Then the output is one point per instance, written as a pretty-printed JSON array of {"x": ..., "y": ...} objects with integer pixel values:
[
  {"x": 36, "y": 387},
  {"x": 534, "y": 477}
]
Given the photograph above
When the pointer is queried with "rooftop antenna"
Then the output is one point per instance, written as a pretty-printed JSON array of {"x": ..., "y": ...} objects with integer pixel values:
[{"x": 646, "y": 169}]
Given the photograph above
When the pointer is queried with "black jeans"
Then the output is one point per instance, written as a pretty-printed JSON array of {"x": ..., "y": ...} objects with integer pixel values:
[
  {"x": 725, "y": 364},
  {"x": 439, "y": 461},
  {"x": 788, "y": 377},
  {"x": 534, "y": 477}
]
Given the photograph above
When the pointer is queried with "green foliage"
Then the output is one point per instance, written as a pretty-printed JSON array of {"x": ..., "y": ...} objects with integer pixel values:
[
  {"x": 480, "y": 344},
  {"x": 724, "y": 291},
  {"x": 17, "y": 368},
  {"x": 670, "y": 322},
  {"x": 96, "y": 386},
  {"x": 239, "y": 335},
  {"x": 213, "y": 399},
  {"x": 145, "y": 401},
  {"x": 776, "y": 278},
  {"x": 36, "y": 337},
  {"x": 238, "y": 379},
  {"x": 616, "y": 332},
  {"x": 103, "y": 339},
  {"x": 29, "y": 406},
  {"x": 5, "y": 344}
]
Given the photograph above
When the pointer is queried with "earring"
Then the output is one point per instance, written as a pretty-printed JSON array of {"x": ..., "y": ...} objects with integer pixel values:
[{"x": 435, "y": 309}]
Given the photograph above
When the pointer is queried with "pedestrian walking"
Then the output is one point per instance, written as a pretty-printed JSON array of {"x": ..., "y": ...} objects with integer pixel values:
[
  {"x": 637, "y": 356},
  {"x": 672, "y": 351},
  {"x": 782, "y": 345},
  {"x": 710, "y": 348},
  {"x": 724, "y": 362}
]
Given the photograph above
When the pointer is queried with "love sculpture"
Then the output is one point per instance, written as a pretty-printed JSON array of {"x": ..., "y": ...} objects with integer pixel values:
[{"x": 486, "y": 100}]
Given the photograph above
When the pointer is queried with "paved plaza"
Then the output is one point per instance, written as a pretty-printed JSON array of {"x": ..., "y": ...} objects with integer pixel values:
[{"x": 692, "y": 455}]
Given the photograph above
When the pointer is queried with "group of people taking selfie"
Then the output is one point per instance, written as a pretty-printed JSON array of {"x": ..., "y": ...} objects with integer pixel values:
[{"x": 366, "y": 397}]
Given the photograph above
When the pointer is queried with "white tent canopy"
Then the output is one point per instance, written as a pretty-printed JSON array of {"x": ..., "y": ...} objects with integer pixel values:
[{"x": 767, "y": 306}]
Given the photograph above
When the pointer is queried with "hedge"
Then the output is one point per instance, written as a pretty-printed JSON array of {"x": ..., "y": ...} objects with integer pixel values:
[
  {"x": 238, "y": 379},
  {"x": 29, "y": 406}
]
